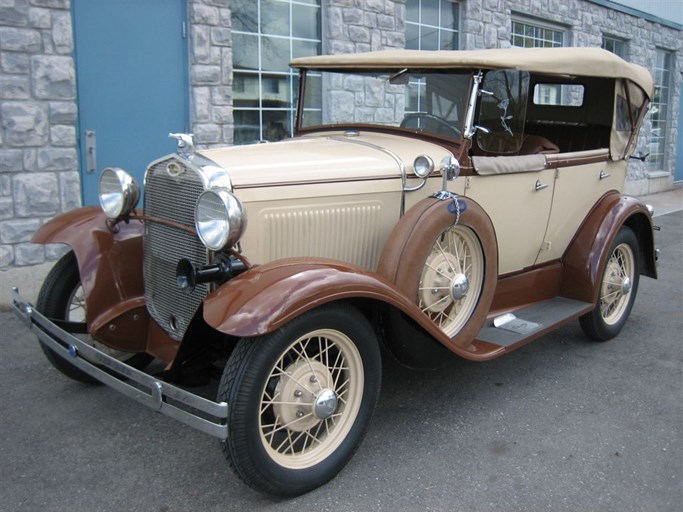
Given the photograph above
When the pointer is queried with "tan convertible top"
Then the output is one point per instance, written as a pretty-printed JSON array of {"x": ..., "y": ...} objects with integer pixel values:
[{"x": 550, "y": 61}]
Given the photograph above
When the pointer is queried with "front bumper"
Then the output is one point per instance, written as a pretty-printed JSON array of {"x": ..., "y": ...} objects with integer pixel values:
[{"x": 205, "y": 415}]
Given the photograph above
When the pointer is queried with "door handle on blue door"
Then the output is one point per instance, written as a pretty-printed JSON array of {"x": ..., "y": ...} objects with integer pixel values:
[{"x": 90, "y": 151}]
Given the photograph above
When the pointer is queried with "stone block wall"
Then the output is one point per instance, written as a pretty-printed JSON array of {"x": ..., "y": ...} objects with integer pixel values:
[
  {"x": 355, "y": 26},
  {"x": 211, "y": 72},
  {"x": 39, "y": 175}
]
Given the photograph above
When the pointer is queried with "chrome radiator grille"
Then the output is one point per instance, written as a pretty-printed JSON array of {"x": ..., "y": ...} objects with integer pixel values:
[{"x": 171, "y": 198}]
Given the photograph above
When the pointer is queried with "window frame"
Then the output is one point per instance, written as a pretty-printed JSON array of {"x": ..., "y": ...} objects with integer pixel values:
[{"x": 263, "y": 74}]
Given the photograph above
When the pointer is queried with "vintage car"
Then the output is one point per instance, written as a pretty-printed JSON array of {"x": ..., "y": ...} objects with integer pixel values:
[{"x": 455, "y": 203}]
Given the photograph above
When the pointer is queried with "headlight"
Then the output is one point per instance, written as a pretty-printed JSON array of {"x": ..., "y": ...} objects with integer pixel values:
[
  {"x": 220, "y": 218},
  {"x": 423, "y": 166},
  {"x": 119, "y": 192}
]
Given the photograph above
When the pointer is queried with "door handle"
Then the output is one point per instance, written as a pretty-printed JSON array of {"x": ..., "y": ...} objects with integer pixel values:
[
  {"x": 604, "y": 175},
  {"x": 90, "y": 151},
  {"x": 540, "y": 186}
]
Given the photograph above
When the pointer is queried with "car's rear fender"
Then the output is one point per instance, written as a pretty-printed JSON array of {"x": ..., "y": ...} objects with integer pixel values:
[
  {"x": 585, "y": 259},
  {"x": 110, "y": 267}
]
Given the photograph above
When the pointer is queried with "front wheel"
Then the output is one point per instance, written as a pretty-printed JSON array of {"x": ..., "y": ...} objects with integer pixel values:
[
  {"x": 61, "y": 298},
  {"x": 618, "y": 289},
  {"x": 300, "y": 399}
]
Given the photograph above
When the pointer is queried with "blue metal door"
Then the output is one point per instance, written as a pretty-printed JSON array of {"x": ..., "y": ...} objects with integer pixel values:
[{"x": 131, "y": 65}]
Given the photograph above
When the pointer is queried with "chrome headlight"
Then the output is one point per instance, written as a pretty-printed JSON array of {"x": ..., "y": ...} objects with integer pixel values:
[
  {"x": 119, "y": 192},
  {"x": 220, "y": 218},
  {"x": 423, "y": 166}
]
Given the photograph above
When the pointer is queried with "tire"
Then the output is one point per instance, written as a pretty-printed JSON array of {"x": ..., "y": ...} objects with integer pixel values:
[
  {"x": 61, "y": 298},
  {"x": 327, "y": 365},
  {"x": 618, "y": 289}
]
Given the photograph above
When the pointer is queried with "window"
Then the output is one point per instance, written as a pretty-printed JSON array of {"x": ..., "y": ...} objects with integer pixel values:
[
  {"x": 266, "y": 35},
  {"x": 531, "y": 35},
  {"x": 660, "y": 109},
  {"x": 614, "y": 45},
  {"x": 432, "y": 24}
]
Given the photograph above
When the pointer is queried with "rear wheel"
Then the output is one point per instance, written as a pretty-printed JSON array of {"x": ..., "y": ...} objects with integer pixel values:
[
  {"x": 61, "y": 298},
  {"x": 618, "y": 289},
  {"x": 301, "y": 399}
]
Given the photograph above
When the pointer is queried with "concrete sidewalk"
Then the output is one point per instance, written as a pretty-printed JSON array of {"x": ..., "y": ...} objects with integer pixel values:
[{"x": 666, "y": 202}]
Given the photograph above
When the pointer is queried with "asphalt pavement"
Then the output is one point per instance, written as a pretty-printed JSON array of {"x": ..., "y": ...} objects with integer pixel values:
[{"x": 563, "y": 424}]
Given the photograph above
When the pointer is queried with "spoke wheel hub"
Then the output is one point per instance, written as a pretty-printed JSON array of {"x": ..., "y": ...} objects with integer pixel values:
[{"x": 304, "y": 395}]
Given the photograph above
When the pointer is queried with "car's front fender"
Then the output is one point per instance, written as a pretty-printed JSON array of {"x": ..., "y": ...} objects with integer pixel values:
[
  {"x": 110, "y": 267},
  {"x": 266, "y": 297}
]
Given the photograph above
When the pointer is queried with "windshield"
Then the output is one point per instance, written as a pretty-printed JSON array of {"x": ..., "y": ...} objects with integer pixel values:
[{"x": 433, "y": 103}]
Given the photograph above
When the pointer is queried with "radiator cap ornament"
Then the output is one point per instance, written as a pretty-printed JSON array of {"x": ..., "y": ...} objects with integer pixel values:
[{"x": 185, "y": 143}]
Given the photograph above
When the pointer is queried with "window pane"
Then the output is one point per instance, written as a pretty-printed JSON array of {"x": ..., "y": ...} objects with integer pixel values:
[
  {"x": 274, "y": 17},
  {"x": 246, "y": 126},
  {"x": 412, "y": 37},
  {"x": 429, "y": 39},
  {"x": 305, "y": 22},
  {"x": 274, "y": 54},
  {"x": 244, "y": 15},
  {"x": 247, "y": 56},
  {"x": 245, "y": 90},
  {"x": 305, "y": 48},
  {"x": 275, "y": 125},
  {"x": 412, "y": 10},
  {"x": 430, "y": 12},
  {"x": 275, "y": 91},
  {"x": 449, "y": 14},
  {"x": 448, "y": 40}
]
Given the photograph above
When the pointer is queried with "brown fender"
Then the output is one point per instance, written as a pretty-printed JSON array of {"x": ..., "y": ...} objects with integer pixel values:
[
  {"x": 266, "y": 297},
  {"x": 110, "y": 266},
  {"x": 585, "y": 259},
  {"x": 410, "y": 241}
]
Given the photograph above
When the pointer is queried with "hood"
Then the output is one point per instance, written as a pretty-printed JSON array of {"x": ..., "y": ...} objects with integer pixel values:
[{"x": 325, "y": 157}]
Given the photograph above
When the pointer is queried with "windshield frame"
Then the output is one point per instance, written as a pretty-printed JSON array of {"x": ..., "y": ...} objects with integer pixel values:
[{"x": 299, "y": 129}]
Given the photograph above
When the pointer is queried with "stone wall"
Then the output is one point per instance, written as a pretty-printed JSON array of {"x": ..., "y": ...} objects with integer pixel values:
[
  {"x": 487, "y": 24},
  {"x": 39, "y": 175},
  {"x": 211, "y": 72},
  {"x": 361, "y": 26}
]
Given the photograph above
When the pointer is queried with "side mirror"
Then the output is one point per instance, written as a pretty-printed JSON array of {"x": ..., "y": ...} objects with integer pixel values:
[{"x": 640, "y": 156}]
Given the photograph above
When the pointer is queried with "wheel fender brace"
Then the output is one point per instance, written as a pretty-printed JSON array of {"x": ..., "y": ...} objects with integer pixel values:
[
  {"x": 584, "y": 261},
  {"x": 110, "y": 266}
]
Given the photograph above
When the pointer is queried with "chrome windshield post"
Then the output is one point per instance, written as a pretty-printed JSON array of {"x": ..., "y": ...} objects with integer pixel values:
[{"x": 470, "y": 129}]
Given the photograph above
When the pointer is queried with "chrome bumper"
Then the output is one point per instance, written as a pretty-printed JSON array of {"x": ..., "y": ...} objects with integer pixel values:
[{"x": 197, "y": 412}]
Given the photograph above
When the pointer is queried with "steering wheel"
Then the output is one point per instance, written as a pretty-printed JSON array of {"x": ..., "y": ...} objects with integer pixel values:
[{"x": 441, "y": 126}]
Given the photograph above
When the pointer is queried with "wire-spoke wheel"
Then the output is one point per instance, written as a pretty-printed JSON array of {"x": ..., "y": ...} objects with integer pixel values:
[
  {"x": 618, "y": 289},
  {"x": 300, "y": 399},
  {"x": 452, "y": 279},
  {"x": 62, "y": 298}
]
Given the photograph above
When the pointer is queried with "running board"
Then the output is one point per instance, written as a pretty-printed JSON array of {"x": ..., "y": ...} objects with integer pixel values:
[{"x": 526, "y": 324}]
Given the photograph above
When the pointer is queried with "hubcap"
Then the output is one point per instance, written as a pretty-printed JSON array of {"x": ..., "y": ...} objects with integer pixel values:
[
  {"x": 303, "y": 395},
  {"x": 617, "y": 284},
  {"x": 325, "y": 404},
  {"x": 459, "y": 286}
]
